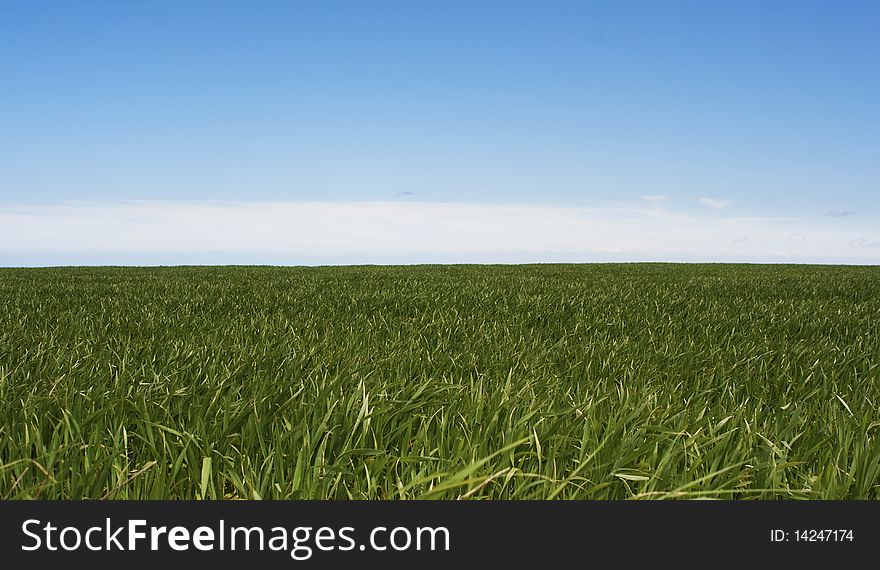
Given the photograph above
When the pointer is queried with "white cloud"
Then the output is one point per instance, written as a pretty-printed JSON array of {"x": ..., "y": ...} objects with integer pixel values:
[
  {"x": 862, "y": 242},
  {"x": 797, "y": 236},
  {"x": 715, "y": 203},
  {"x": 654, "y": 198},
  {"x": 400, "y": 231}
]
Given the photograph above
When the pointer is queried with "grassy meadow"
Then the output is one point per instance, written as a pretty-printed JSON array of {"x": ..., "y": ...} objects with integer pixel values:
[{"x": 642, "y": 381}]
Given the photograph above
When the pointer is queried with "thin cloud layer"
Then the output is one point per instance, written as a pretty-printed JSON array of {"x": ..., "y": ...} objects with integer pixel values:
[
  {"x": 862, "y": 242},
  {"x": 715, "y": 203},
  {"x": 388, "y": 232},
  {"x": 654, "y": 198}
]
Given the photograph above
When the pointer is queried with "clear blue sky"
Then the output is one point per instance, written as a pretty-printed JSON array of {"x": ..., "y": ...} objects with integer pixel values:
[{"x": 766, "y": 108}]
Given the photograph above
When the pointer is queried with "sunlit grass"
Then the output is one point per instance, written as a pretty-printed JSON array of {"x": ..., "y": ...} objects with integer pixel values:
[{"x": 514, "y": 382}]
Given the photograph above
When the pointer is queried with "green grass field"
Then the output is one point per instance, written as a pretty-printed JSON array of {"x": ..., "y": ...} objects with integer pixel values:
[{"x": 510, "y": 382}]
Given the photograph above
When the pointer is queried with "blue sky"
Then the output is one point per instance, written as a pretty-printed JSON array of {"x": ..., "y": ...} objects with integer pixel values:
[{"x": 416, "y": 131}]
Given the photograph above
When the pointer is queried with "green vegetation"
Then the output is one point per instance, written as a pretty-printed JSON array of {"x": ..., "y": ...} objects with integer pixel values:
[{"x": 515, "y": 382}]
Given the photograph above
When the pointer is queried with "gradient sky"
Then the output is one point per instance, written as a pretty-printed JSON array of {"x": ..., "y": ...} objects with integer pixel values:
[{"x": 350, "y": 132}]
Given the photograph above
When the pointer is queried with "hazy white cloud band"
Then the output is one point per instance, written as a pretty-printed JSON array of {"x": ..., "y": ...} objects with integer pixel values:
[{"x": 382, "y": 232}]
